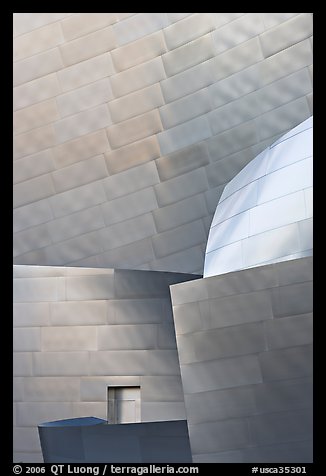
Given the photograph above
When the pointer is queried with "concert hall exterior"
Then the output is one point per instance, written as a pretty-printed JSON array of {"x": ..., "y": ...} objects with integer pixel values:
[{"x": 162, "y": 237}]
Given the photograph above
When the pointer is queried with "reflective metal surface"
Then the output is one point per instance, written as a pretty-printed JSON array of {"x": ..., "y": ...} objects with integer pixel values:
[{"x": 265, "y": 213}]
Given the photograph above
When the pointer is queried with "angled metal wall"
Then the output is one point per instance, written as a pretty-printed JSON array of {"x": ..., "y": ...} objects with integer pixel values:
[
  {"x": 78, "y": 331},
  {"x": 245, "y": 348}
]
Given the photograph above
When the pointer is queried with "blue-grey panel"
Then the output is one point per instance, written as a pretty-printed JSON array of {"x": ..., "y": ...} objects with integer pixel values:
[{"x": 91, "y": 440}]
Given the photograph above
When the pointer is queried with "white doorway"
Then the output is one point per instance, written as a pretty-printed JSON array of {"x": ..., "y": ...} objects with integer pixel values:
[{"x": 123, "y": 405}]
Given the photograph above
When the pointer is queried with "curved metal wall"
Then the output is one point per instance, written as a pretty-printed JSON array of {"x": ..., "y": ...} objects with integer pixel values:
[
  {"x": 128, "y": 126},
  {"x": 265, "y": 213}
]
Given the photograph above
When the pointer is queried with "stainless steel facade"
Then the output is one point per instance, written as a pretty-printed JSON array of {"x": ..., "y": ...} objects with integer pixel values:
[
  {"x": 127, "y": 129},
  {"x": 245, "y": 348}
]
